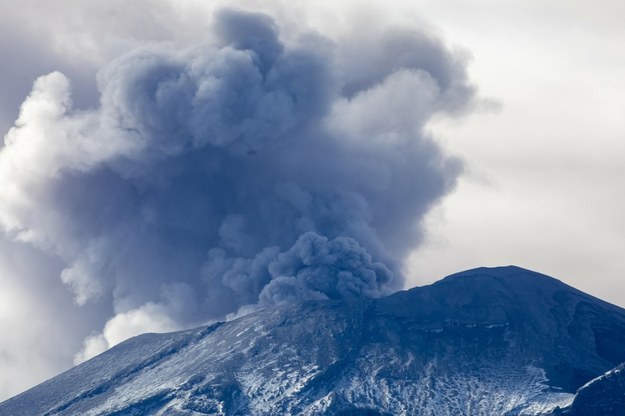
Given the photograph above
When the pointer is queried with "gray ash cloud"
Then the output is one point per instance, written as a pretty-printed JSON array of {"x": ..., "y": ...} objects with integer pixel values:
[{"x": 244, "y": 171}]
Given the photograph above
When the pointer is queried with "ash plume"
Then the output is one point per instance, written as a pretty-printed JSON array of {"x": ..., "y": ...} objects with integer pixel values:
[{"x": 241, "y": 172}]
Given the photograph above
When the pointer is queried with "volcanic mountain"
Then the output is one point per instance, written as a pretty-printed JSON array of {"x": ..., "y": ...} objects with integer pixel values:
[{"x": 488, "y": 341}]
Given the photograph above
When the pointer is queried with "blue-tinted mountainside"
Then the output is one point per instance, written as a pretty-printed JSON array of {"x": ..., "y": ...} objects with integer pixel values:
[
  {"x": 604, "y": 395},
  {"x": 499, "y": 341}
]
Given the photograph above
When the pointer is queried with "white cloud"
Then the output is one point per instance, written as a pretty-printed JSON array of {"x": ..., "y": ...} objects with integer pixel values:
[{"x": 150, "y": 317}]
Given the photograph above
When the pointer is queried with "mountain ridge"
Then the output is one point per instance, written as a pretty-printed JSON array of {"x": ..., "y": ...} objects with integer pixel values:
[{"x": 481, "y": 342}]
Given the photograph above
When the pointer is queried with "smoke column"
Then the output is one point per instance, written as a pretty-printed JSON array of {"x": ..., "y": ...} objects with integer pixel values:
[{"x": 238, "y": 173}]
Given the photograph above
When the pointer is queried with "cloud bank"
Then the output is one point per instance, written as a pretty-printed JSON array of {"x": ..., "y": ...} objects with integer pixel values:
[{"x": 239, "y": 172}]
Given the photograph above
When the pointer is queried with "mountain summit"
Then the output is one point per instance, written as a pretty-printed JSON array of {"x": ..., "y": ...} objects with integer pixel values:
[{"x": 488, "y": 341}]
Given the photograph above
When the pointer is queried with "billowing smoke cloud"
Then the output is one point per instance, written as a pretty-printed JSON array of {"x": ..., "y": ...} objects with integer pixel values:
[{"x": 241, "y": 172}]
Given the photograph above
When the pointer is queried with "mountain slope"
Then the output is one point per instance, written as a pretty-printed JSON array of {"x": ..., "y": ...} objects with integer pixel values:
[
  {"x": 604, "y": 395},
  {"x": 482, "y": 342}
]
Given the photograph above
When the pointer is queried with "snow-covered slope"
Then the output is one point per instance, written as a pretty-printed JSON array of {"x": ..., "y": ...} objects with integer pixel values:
[{"x": 482, "y": 342}]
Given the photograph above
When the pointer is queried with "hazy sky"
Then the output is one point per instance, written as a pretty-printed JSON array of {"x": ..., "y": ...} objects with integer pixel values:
[
  {"x": 546, "y": 184},
  {"x": 168, "y": 167}
]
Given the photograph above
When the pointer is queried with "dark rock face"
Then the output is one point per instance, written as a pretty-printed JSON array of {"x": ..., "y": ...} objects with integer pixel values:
[
  {"x": 572, "y": 335},
  {"x": 501, "y": 341},
  {"x": 603, "y": 396}
]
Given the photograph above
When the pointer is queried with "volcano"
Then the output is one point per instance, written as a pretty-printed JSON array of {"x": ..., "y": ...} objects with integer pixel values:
[{"x": 488, "y": 341}]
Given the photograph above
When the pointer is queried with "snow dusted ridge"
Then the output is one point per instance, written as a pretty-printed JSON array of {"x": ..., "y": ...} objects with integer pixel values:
[
  {"x": 604, "y": 395},
  {"x": 502, "y": 341}
]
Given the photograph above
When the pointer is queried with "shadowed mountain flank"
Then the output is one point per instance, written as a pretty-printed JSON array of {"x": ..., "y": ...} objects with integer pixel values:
[{"x": 488, "y": 341}]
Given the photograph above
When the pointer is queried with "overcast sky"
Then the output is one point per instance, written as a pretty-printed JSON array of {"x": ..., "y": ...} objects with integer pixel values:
[
  {"x": 546, "y": 185},
  {"x": 437, "y": 136}
]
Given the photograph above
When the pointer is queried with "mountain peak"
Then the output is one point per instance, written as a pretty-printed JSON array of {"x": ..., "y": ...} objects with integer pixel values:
[
  {"x": 527, "y": 287},
  {"x": 511, "y": 272},
  {"x": 499, "y": 340},
  {"x": 497, "y": 270}
]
